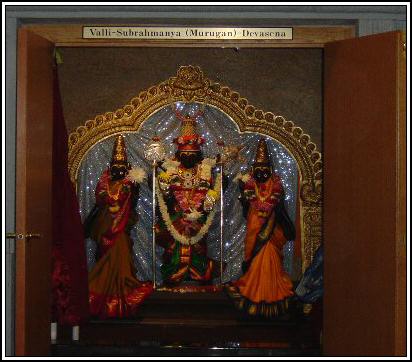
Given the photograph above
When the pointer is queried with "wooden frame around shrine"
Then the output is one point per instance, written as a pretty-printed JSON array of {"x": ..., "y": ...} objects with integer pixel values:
[{"x": 190, "y": 85}]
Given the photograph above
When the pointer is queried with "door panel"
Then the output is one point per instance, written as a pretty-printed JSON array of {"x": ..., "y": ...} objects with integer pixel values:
[
  {"x": 364, "y": 197},
  {"x": 33, "y": 194}
]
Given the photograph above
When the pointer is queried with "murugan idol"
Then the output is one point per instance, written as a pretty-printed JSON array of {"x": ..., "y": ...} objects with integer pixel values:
[
  {"x": 187, "y": 193},
  {"x": 265, "y": 287},
  {"x": 114, "y": 290}
]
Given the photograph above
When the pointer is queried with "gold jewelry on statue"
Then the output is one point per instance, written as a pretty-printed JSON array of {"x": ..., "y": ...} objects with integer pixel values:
[
  {"x": 115, "y": 208},
  {"x": 188, "y": 126},
  {"x": 119, "y": 151},
  {"x": 114, "y": 196},
  {"x": 189, "y": 177},
  {"x": 263, "y": 196},
  {"x": 262, "y": 154}
]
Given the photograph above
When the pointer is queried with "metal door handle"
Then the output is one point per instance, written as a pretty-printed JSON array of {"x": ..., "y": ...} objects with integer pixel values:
[
  {"x": 33, "y": 236},
  {"x": 21, "y": 236}
]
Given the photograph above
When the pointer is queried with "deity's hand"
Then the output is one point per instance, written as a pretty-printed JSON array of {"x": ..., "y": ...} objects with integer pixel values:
[
  {"x": 248, "y": 195},
  {"x": 160, "y": 165},
  {"x": 114, "y": 208},
  {"x": 245, "y": 206},
  {"x": 210, "y": 200},
  {"x": 164, "y": 182},
  {"x": 193, "y": 215},
  {"x": 208, "y": 204},
  {"x": 102, "y": 198}
]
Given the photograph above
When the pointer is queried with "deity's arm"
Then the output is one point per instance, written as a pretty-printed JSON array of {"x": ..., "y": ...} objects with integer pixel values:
[
  {"x": 163, "y": 184},
  {"x": 135, "y": 190},
  {"x": 244, "y": 201},
  {"x": 101, "y": 194},
  {"x": 212, "y": 184},
  {"x": 160, "y": 169},
  {"x": 225, "y": 178},
  {"x": 247, "y": 188},
  {"x": 90, "y": 219},
  {"x": 283, "y": 218}
]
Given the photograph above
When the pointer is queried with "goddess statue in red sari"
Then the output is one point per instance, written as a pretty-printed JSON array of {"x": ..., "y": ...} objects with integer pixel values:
[
  {"x": 114, "y": 290},
  {"x": 264, "y": 288}
]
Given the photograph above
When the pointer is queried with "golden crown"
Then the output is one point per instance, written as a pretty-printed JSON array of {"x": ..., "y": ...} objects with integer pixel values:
[
  {"x": 262, "y": 154},
  {"x": 119, "y": 155},
  {"x": 188, "y": 126}
]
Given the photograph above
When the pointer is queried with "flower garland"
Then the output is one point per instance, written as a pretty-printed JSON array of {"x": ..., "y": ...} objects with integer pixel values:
[
  {"x": 206, "y": 168},
  {"x": 176, "y": 235}
]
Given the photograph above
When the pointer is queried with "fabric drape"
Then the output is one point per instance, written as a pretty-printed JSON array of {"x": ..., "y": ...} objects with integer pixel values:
[{"x": 69, "y": 263}]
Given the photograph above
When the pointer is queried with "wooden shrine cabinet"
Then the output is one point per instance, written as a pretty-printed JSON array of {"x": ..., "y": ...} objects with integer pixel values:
[{"x": 364, "y": 185}]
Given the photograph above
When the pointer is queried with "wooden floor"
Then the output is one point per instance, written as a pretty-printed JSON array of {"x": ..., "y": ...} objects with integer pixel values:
[{"x": 192, "y": 324}]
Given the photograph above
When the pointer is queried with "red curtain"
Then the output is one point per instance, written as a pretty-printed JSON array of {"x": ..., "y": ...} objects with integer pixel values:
[{"x": 70, "y": 305}]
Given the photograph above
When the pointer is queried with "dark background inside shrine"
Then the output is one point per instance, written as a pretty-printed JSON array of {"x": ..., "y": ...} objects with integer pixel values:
[{"x": 287, "y": 82}]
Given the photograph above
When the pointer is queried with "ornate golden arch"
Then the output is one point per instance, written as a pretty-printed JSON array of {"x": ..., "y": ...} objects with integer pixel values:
[{"x": 190, "y": 85}]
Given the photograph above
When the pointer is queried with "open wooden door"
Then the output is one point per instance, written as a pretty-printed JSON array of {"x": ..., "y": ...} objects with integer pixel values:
[
  {"x": 364, "y": 197},
  {"x": 33, "y": 194}
]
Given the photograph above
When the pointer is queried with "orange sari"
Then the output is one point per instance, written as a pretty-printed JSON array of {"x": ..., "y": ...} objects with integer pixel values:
[
  {"x": 265, "y": 287},
  {"x": 114, "y": 290}
]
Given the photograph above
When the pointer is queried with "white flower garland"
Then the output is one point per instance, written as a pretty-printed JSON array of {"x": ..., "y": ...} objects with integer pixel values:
[
  {"x": 176, "y": 235},
  {"x": 206, "y": 168}
]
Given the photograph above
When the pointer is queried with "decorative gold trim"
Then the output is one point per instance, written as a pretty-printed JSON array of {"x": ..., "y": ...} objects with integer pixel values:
[{"x": 190, "y": 85}]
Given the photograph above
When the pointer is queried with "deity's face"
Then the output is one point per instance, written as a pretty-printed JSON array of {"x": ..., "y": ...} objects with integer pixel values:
[
  {"x": 118, "y": 171},
  {"x": 261, "y": 173},
  {"x": 189, "y": 159}
]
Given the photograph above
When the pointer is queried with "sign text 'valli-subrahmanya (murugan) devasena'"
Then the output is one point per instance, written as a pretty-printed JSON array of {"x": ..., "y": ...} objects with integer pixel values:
[{"x": 186, "y": 33}]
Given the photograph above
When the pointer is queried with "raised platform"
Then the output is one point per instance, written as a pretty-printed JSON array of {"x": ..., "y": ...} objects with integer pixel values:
[{"x": 198, "y": 324}]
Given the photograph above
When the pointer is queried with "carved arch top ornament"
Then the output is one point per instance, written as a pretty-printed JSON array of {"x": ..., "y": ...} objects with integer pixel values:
[{"x": 190, "y": 85}]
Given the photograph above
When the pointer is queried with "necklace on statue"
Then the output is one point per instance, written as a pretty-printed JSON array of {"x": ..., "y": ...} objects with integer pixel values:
[
  {"x": 260, "y": 194},
  {"x": 188, "y": 177},
  {"x": 115, "y": 195}
]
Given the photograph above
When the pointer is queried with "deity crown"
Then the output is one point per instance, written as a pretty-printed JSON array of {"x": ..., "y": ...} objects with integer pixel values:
[
  {"x": 189, "y": 140},
  {"x": 188, "y": 126},
  {"x": 119, "y": 155},
  {"x": 262, "y": 154}
]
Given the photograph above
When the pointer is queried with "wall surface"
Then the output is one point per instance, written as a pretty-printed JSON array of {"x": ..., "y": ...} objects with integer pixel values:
[
  {"x": 287, "y": 82},
  {"x": 369, "y": 20}
]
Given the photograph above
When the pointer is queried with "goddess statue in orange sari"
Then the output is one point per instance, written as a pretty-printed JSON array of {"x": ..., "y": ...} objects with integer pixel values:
[
  {"x": 265, "y": 287},
  {"x": 114, "y": 290}
]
